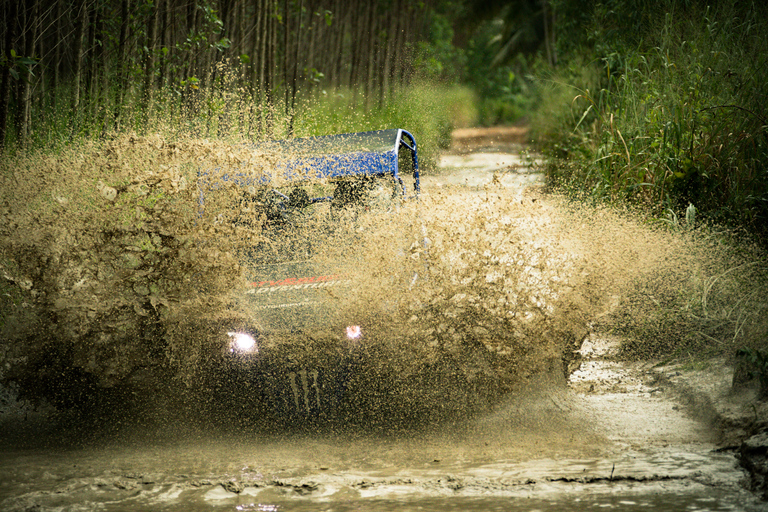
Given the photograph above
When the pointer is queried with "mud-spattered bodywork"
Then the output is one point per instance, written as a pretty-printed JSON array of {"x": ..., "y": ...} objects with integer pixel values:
[{"x": 302, "y": 357}]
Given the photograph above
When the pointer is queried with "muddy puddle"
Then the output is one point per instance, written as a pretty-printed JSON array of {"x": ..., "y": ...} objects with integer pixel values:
[
  {"x": 551, "y": 447},
  {"x": 610, "y": 437}
]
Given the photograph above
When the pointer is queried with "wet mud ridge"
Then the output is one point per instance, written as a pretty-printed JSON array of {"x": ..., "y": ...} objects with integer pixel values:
[
  {"x": 674, "y": 403},
  {"x": 733, "y": 406}
]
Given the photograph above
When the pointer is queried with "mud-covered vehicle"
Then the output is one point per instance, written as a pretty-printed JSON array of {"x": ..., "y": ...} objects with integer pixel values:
[{"x": 302, "y": 353}]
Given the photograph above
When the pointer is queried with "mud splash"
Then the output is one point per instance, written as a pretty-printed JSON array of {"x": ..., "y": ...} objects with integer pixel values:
[
  {"x": 509, "y": 285},
  {"x": 113, "y": 281},
  {"x": 106, "y": 276}
]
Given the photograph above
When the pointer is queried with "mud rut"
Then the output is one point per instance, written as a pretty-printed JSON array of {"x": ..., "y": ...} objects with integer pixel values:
[{"x": 616, "y": 435}]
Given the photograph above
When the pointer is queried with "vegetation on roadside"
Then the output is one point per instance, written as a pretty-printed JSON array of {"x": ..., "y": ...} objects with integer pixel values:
[
  {"x": 710, "y": 302},
  {"x": 72, "y": 71},
  {"x": 662, "y": 106}
]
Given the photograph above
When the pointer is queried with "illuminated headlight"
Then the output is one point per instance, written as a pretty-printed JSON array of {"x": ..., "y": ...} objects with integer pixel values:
[
  {"x": 242, "y": 342},
  {"x": 354, "y": 332}
]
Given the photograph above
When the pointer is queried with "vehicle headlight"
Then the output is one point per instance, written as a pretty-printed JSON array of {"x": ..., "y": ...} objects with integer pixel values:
[
  {"x": 242, "y": 342},
  {"x": 354, "y": 332}
]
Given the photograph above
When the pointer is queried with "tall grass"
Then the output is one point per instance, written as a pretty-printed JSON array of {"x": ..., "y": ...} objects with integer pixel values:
[
  {"x": 674, "y": 119},
  {"x": 226, "y": 111},
  {"x": 679, "y": 119}
]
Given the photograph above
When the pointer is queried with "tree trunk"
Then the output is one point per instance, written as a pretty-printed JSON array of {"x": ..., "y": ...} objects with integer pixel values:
[
  {"x": 57, "y": 57},
  {"x": 81, "y": 13},
  {"x": 294, "y": 80},
  {"x": 165, "y": 35},
  {"x": 357, "y": 51},
  {"x": 149, "y": 61},
  {"x": 285, "y": 55},
  {"x": 90, "y": 58},
  {"x": 23, "y": 107},
  {"x": 42, "y": 76},
  {"x": 391, "y": 28},
  {"x": 5, "y": 81},
  {"x": 370, "y": 55},
  {"x": 122, "y": 57}
]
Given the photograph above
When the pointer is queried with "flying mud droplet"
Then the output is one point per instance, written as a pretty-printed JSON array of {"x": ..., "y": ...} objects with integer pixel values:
[{"x": 107, "y": 192}]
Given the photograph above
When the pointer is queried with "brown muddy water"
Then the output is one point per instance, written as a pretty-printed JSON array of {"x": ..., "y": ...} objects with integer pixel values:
[
  {"x": 608, "y": 438},
  {"x": 549, "y": 447}
]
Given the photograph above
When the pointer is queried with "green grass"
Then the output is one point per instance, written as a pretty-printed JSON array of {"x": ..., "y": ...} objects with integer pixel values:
[
  {"x": 678, "y": 119},
  {"x": 673, "y": 121},
  {"x": 227, "y": 112}
]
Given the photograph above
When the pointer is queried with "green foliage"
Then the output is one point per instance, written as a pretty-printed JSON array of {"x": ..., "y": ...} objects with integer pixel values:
[
  {"x": 436, "y": 58},
  {"x": 667, "y": 116},
  {"x": 19, "y": 67},
  {"x": 221, "y": 109},
  {"x": 662, "y": 106},
  {"x": 505, "y": 93},
  {"x": 718, "y": 310}
]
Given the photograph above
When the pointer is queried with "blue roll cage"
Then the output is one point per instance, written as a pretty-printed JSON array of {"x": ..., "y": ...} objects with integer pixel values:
[{"x": 373, "y": 153}]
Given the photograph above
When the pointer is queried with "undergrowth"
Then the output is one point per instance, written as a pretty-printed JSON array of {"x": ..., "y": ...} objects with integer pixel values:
[
  {"x": 671, "y": 119},
  {"x": 677, "y": 118},
  {"x": 225, "y": 111}
]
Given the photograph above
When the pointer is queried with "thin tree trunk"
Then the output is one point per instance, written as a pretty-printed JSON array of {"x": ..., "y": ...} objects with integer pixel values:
[
  {"x": 5, "y": 82},
  {"x": 294, "y": 84},
  {"x": 57, "y": 56},
  {"x": 336, "y": 49},
  {"x": 149, "y": 61},
  {"x": 23, "y": 108},
  {"x": 312, "y": 31},
  {"x": 194, "y": 61},
  {"x": 370, "y": 54},
  {"x": 42, "y": 76},
  {"x": 165, "y": 35},
  {"x": 19, "y": 83},
  {"x": 257, "y": 61},
  {"x": 102, "y": 74},
  {"x": 257, "y": 64},
  {"x": 397, "y": 42},
  {"x": 122, "y": 57},
  {"x": 391, "y": 24},
  {"x": 270, "y": 84},
  {"x": 81, "y": 14},
  {"x": 241, "y": 39},
  {"x": 285, "y": 55},
  {"x": 357, "y": 51},
  {"x": 90, "y": 59}
]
